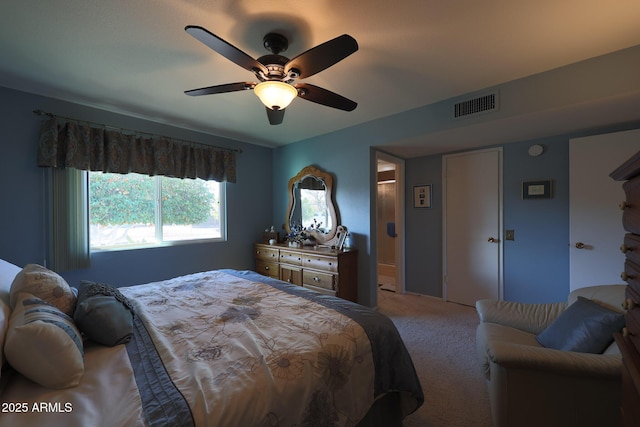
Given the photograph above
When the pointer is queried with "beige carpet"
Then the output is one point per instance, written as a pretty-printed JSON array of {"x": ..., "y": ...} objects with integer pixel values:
[{"x": 440, "y": 337}]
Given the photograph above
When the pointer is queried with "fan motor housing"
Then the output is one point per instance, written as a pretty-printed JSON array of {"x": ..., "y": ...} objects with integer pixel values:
[{"x": 275, "y": 43}]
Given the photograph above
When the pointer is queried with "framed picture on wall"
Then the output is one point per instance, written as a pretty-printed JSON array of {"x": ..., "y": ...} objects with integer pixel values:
[
  {"x": 537, "y": 189},
  {"x": 422, "y": 196}
]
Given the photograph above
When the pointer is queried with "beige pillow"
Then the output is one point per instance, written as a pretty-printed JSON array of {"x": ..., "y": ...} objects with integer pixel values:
[
  {"x": 45, "y": 284},
  {"x": 43, "y": 344}
]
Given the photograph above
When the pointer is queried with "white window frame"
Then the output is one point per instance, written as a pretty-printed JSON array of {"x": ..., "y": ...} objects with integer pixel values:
[{"x": 158, "y": 224}]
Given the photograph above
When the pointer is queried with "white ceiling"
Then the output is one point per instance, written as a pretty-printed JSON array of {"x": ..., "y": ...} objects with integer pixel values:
[{"x": 134, "y": 57}]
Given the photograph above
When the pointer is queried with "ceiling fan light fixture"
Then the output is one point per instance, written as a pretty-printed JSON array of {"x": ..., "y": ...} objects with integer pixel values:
[{"x": 275, "y": 95}]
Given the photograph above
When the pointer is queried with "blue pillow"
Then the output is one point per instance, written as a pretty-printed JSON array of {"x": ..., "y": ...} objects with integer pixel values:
[
  {"x": 585, "y": 327},
  {"x": 103, "y": 314}
]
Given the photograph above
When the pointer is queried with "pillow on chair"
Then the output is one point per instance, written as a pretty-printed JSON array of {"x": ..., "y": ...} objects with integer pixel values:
[{"x": 584, "y": 327}]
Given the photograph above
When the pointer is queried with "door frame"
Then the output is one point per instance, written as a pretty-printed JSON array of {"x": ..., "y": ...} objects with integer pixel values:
[
  {"x": 499, "y": 150},
  {"x": 399, "y": 216}
]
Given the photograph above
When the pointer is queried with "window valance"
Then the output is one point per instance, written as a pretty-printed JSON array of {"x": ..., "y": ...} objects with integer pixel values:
[{"x": 68, "y": 143}]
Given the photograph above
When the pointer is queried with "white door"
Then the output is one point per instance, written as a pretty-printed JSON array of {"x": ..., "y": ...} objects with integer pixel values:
[
  {"x": 472, "y": 193},
  {"x": 595, "y": 227}
]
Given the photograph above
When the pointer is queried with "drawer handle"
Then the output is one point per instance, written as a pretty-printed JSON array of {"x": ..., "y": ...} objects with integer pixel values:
[
  {"x": 624, "y": 276},
  {"x": 316, "y": 279},
  {"x": 628, "y": 304},
  {"x": 624, "y": 248},
  {"x": 266, "y": 267},
  {"x": 623, "y": 205}
]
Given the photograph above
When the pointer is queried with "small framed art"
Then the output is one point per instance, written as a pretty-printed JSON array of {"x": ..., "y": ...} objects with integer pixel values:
[
  {"x": 536, "y": 189},
  {"x": 422, "y": 196}
]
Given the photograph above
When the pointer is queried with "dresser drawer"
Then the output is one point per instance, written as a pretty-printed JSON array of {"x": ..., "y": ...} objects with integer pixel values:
[
  {"x": 632, "y": 319},
  {"x": 631, "y": 247},
  {"x": 291, "y": 275},
  {"x": 266, "y": 268},
  {"x": 631, "y": 210},
  {"x": 290, "y": 257},
  {"x": 632, "y": 295},
  {"x": 631, "y": 275},
  {"x": 321, "y": 263},
  {"x": 266, "y": 253},
  {"x": 318, "y": 279}
]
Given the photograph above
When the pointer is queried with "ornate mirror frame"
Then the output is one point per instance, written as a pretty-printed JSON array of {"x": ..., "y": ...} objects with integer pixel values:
[{"x": 320, "y": 237}]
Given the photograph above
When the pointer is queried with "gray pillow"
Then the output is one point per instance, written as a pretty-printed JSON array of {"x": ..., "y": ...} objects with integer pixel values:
[
  {"x": 585, "y": 327},
  {"x": 103, "y": 314}
]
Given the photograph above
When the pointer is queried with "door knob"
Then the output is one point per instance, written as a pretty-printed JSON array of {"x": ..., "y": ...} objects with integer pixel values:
[
  {"x": 493, "y": 240},
  {"x": 579, "y": 245}
]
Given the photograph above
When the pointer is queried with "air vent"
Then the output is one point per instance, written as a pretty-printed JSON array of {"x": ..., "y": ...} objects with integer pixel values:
[{"x": 475, "y": 106}]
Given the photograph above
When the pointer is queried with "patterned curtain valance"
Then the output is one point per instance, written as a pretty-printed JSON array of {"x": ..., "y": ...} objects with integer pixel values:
[{"x": 67, "y": 143}]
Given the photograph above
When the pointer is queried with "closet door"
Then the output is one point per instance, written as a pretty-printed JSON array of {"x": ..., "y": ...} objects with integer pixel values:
[
  {"x": 472, "y": 237},
  {"x": 595, "y": 227}
]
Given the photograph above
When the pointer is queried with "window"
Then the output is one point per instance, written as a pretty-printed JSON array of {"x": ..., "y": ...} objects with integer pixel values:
[{"x": 139, "y": 210}]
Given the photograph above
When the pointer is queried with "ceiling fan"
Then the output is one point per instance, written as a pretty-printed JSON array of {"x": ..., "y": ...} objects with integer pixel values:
[{"x": 277, "y": 74}]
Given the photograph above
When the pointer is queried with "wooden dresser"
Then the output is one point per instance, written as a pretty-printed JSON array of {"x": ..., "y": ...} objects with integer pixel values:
[
  {"x": 325, "y": 270},
  {"x": 629, "y": 341}
]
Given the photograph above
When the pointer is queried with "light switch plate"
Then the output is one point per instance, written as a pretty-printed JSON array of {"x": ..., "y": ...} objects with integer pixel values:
[{"x": 510, "y": 235}]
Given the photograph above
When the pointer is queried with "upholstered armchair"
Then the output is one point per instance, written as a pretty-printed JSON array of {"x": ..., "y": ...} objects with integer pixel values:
[{"x": 533, "y": 385}]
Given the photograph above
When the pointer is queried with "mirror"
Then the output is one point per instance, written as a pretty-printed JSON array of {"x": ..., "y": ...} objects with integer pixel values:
[{"x": 311, "y": 204}]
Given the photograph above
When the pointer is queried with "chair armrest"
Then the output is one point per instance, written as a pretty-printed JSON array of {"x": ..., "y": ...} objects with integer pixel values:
[
  {"x": 532, "y": 318},
  {"x": 540, "y": 359}
]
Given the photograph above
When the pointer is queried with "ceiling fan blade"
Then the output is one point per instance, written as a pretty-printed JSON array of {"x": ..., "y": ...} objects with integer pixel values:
[
  {"x": 229, "y": 87},
  {"x": 225, "y": 49},
  {"x": 275, "y": 116},
  {"x": 325, "y": 97},
  {"x": 322, "y": 56}
]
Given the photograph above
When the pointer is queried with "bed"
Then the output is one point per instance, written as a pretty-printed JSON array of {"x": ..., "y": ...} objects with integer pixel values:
[{"x": 216, "y": 348}]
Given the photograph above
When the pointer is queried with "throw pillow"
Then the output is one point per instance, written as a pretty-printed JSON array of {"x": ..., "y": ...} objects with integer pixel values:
[
  {"x": 103, "y": 314},
  {"x": 43, "y": 344},
  {"x": 585, "y": 327},
  {"x": 44, "y": 284}
]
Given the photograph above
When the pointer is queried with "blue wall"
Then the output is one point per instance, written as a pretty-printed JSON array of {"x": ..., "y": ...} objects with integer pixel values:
[
  {"x": 536, "y": 263},
  {"x": 349, "y": 162},
  {"x": 249, "y": 201},
  {"x": 536, "y": 267}
]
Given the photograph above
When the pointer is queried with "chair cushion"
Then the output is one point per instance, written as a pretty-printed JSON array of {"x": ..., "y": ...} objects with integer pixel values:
[
  {"x": 487, "y": 333},
  {"x": 585, "y": 326}
]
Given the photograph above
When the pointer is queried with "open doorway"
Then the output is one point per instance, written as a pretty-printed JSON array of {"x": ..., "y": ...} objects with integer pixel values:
[{"x": 389, "y": 224}]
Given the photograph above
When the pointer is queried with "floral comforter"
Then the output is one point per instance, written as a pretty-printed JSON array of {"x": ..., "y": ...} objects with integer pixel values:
[{"x": 227, "y": 348}]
